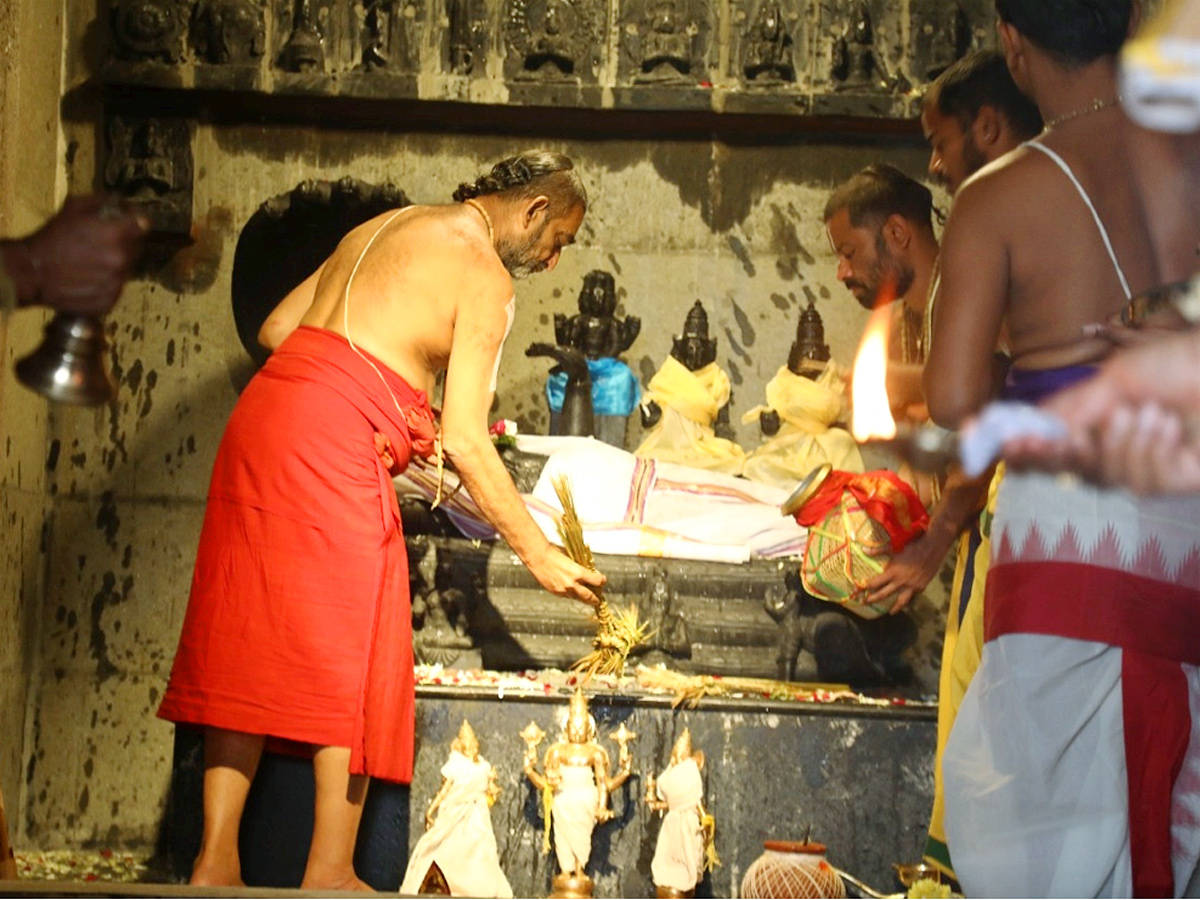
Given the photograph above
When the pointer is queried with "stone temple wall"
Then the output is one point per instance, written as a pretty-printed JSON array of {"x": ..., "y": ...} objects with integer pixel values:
[{"x": 715, "y": 208}]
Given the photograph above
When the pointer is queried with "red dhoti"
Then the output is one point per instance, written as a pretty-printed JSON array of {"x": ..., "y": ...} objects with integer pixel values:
[{"x": 299, "y": 621}]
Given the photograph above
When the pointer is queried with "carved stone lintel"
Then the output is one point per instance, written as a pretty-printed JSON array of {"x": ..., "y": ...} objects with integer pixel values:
[
  {"x": 228, "y": 31},
  {"x": 146, "y": 30},
  {"x": 149, "y": 164}
]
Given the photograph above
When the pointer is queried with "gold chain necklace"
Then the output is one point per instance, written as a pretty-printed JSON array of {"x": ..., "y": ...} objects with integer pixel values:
[
  {"x": 487, "y": 220},
  {"x": 1095, "y": 106}
]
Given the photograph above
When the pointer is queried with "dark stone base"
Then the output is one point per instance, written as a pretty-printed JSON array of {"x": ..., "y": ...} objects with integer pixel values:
[
  {"x": 277, "y": 825},
  {"x": 860, "y": 777}
]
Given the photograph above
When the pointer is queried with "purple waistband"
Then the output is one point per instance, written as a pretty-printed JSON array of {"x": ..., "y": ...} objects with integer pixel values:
[{"x": 1035, "y": 385}]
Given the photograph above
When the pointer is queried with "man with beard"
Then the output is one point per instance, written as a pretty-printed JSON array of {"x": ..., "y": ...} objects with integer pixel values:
[
  {"x": 880, "y": 225},
  {"x": 299, "y": 625},
  {"x": 973, "y": 113},
  {"x": 1073, "y": 765}
]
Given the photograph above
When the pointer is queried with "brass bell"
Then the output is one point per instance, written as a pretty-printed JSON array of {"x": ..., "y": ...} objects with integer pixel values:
[{"x": 71, "y": 364}]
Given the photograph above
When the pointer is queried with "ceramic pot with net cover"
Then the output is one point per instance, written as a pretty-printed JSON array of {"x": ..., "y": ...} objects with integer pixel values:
[{"x": 792, "y": 869}]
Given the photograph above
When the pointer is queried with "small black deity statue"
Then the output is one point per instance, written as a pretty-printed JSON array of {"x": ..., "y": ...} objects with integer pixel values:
[
  {"x": 595, "y": 329},
  {"x": 305, "y": 47},
  {"x": 588, "y": 371},
  {"x": 695, "y": 349},
  {"x": 807, "y": 358}
]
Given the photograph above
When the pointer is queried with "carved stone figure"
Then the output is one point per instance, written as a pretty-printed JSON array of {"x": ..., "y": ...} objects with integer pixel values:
[
  {"x": 460, "y": 841},
  {"x": 684, "y": 849},
  {"x": 687, "y": 402},
  {"x": 818, "y": 641},
  {"x": 668, "y": 635},
  {"x": 595, "y": 329},
  {"x": 809, "y": 351},
  {"x": 666, "y": 43},
  {"x": 377, "y": 17},
  {"x": 228, "y": 31},
  {"x": 150, "y": 29},
  {"x": 576, "y": 786},
  {"x": 149, "y": 163},
  {"x": 588, "y": 344},
  {"x": 855, "y": 63},
  {"x": 439, "y": 614},
  {"x": 941, "y": 34},
  {"x": 305, "y": 47},
  {"x": 552, "y": 37},
  {"x": 462, "y": 54},
  {"x": 767, "y": 57}
]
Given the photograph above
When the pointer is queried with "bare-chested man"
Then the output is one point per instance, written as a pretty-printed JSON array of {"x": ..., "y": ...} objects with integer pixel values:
[
  {"x": 880, "y": 226},
  {"x": 1068, "y": 771},
  {"x": 298, "y": 625},
  {"x": 973, "y": 114}
]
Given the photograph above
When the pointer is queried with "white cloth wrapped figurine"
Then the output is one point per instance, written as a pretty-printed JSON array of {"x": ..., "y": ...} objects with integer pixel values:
[
  {"x": 461, "y": 840},
  {"x": 679, "y": 855},
  {"x": 574, "y": 816}
]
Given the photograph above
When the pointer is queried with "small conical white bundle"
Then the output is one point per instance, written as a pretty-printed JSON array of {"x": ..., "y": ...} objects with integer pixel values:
[{"x": 780, "y": 873}]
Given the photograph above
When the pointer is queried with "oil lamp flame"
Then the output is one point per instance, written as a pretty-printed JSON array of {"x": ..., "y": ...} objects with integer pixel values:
[{"x": 871, "y": 416}]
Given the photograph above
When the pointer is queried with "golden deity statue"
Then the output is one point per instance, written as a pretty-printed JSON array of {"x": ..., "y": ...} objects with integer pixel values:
[{"x": 576, "y": 786}]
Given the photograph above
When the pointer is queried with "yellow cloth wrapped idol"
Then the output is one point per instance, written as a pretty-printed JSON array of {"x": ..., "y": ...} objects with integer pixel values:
[
  {"x": 690, "y": 402},
  {"x": 807, "y": 411}
]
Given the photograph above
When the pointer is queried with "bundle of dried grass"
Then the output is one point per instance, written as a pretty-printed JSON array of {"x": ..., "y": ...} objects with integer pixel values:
[
  {"x": 691, "y": 689},
  {"x": 617, "y": 633}
]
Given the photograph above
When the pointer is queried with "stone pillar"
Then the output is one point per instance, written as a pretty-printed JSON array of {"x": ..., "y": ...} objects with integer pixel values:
[{"x": 31, "y": 180}]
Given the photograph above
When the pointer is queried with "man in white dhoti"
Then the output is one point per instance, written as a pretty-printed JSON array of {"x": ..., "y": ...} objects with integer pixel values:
[
  {"x": 683, "y": 851},
  {"x": 1073, "y": 768},
  {"x": 461, "y": 841}
]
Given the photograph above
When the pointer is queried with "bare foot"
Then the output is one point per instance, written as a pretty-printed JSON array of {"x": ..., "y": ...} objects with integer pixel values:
[
  {"x": 212, "y": 872},
  {"x": 334, "y": 881}
]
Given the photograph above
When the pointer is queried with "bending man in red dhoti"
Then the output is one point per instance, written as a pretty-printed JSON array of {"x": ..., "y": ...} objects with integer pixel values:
[{"x": 298, "y": 625}]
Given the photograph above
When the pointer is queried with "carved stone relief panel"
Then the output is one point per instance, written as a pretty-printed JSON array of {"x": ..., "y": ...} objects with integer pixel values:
[
  {"x": 145, "y": 30},
  {"x": 769, "y": 48},
  {"x": 302, "y": 26},
  {"x": 665, "y": 42},
  {"x": 466, "y": 37},
  {"x": 554, "y": 41},
  {"x": 860, "y": 50},
  {"x": 940, "y": 33},
  {"x": 148, "y": 161},
  {"x": 384, "y": 35},
  {"x": 228, "y": 31}
]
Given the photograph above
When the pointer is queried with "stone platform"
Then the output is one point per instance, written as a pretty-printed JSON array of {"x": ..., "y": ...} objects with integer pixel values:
[{"x": 860, "y": 775}]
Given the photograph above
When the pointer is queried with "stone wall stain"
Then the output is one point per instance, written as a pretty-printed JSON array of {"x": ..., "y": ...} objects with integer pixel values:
[
  {"x": 743, "y": 255},
  {"x": 105, "y": 597},
  {"x": 743, "y": 323},
  {"x": 107, "y": 519}
]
